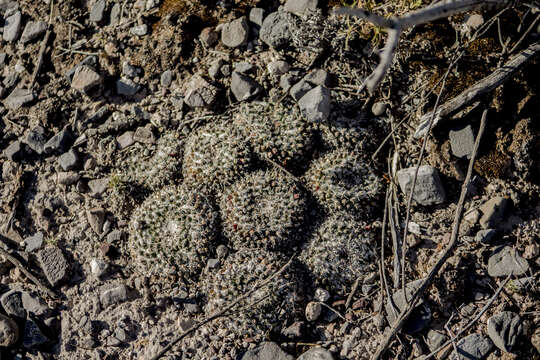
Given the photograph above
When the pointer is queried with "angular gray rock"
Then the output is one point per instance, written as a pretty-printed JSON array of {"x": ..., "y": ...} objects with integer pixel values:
[
  {"x": 420, "y": 316},
  {"x": 275, "y": 30},
  {"x": 504, "y": 329},
  {"x": 9, "y": 331},
  {"x": 68, "y": 160},
  {"x": 98, "y": 186},
  {"x": 12, "y": 27},
  {"x": 12, "y": 304},
  {"x": 209, "y": 36},
  {"x": 243, "y": 67},
  {"x": 33, "y": 336},
  {"x": 435, "y": 339},
  {"x": 85, "y": 78},
  {"x": 313, "y": 311},
  {"x": 96, "y": 218},
  {"x": 266, "y": 351},
  {"x": 35, "y": 139},
  {"x": 315, "y": 104},
  {"x": 126, "y": 87},
  {"x": 243, "y": 87},
  {"x": 90, "y": 60},
  {"x": 472, "y": 347},
  {"x": 200, "y": 93},
  {"x": 428, "y": 189},
  {"x": 300, "y": 7},
  {"x": 318, "y": 77},
  {"x": 462, "y": 141},
  {"x": 166, "y": 78},
  {"x": 256, "y": 16},
  {"x": 493, "y": 212},
  {"x": 485, "y": 236},
  {"x": 144, "y": 135},
  {"x": 19, "y": 97},
  {"x": 300, "y": 89},
  {"x": 139, "y": 30},
  {"x": 235, "y": 33},
  {"x": 214, "y": 71},
  {"x": 58, "y": 143},
  {"x": 316, "y": 353},
  {"x": 278, "y": 67},
  {"x": 34, "y": 242},
  {"x": 113, "y": 296},
  {"x": 97, "y": 12},
  {"x": 505, "y": 261},
  {"x": 53, "y": 263},
  {"x": 14, "y": 151},
  {"x": 32, "y": 30},
  {"x": 125, "y": 140}
]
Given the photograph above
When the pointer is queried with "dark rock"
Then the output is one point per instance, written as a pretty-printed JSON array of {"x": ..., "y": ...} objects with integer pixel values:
[
  {"x": 209, "y": 37},
  {"x": 485, "y": 236},
  {"x": 428, "y": 189},
  {"x": 505, "y": 261},
  {"x": 266, "y": 351},
  {"x": 69, "y": 160},
  {"x": 300, "y": 89},
  {"x": 472, "y": 347},
  {"x": 243, "y": 87},
  {"x": 53, "y": 264},
  {"x": 126, "y": 87},
  {"x": 504, "y": 329},
  {"x": 33, "y": 336},
  {"x": 58, "y": 143},
  {"x": 315, "y": 104},
  {"x": 35, "y": 139},
  {"x": 96, "y": 218},
  {"x": 235, "y": 33},
  {"x": 493, "y": 212},
  {"x": 14, "y": 151},
  {"x": 275, "y": 30}
]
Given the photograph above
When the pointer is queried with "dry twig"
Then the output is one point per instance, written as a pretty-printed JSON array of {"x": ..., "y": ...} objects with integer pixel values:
[{"x": 42, "y": 48}]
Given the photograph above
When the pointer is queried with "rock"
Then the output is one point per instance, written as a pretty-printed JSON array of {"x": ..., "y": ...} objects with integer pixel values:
[
  {"x": 235, "y": 33},
  {"x": 462, "y": 141},
  {"x": 256, "y": 16},
  {"x": 209, "y": 37},
  {"x": 212, "y": 264},
  {"x": 214, "y": 71},
  {"x": 315, "y": 104},
  {"x": 286, "y": 81},
  {"x": 316, "y": 353},
  {"x": 243, "y": 67},
  {"x": 472, "y": 347},
  {"x": 278, "y": 67},
  {"x": 85, "y": 78},
  {"x": 275, "y": 30},
  {"x": 485, "y": 236},
  {"x": 300, "y": 7},
  {"x": 12, "y": 304},
  {"x": 125, "y": 140},
  {"x": 115, "y": 13},
  {"x": 97, "y": 12},
  {"x": 14, "y": 151},
  {"x": 192, "y": 308},
  {"x": 504, "y": 329},
  {"x": 505, "y": 261},
  {"x": 35, "y": 139},
  {"x": 300, "y": 89},
  {"x": 435, "y": 339},
  {"x": 186, "y": 324},
  {"x": 535, "y": 338},
  {"x": 90, "y": 61},
  {"x": 313, "y": 311},
  {"x": 114, "y": 236},
  {"x": 493, "y": 212},
  {"x": 428, "y": 189},
  {"x": 378, "y": 108},
  {"x": 243, "y": 87},
  {"x": 19, "y": 97},
  {"x": 318, "y": 77},
  {"x": 166, "y": 78},
  {"x": 9, "y": 331},
  {"x": 58, "y": 142},
  {"x": 139, "y": 30},
  {"x": 421, "y": 315},
  {"x": 96, "y": 218},
  {"x": 321, "y": 295},
  {"x": 98, "y": 267},
  {"x": 129, "y": 70},
  {"x": 200, "y": 93},
  {"x": 126, "y": 87},
  {"x": 294, "y": 331},
  {"x": 53, "y": 263},
  {"x": 34, "y": 242},
  {"x": 144, "y": 135},
  {"x": 32, "y": 30},
  {"x": 114, "y": 296},
  {"x": 266, "y": 351},
  {"x": 473, "y": 22},
  {"x": 12, "y": 27},
  {"x": 98, "y": 187},
  {"x": 33, "y": 304},
  {"x": 33, "y": 336},
  {"x": 69, "y": 160}
]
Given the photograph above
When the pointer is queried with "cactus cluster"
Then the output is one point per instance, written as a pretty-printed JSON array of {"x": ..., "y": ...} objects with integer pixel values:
[
  {"x": 348, "y": 134},
  {"x": 277, "y": 133},
  {"x": 341, "y": 250},
  {"x": 341, "y": 181},
  {"x": 216, "y": 155},
  {"x": 240, "y": 273},
  {"x": 173, "y": 232},
  {"x": 264, "y": 210}
]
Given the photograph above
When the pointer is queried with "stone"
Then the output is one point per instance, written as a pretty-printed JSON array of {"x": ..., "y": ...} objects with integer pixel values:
[
  {"x": 214, "y": 71},
  {"x": 256, "y": 16},
  {"x": 474, "y": 21},
  {"x": 186, "y": 324},
  {"x": 34, "y": 242},
  {"x": 278, "y": 67},
  {"x": 462, "y": 141},
  {"x": 68, "y": 160},
  {"x": 420, "y": 316},
  {"x": 115, "y": 13},
  {"x": 209, "y": 37},
  {"x": 243, "y": 67},
  {"x": 485, "y": 236},
  {"x": 96, "y": 218},
  {"x": 378, "y": 108},
  {"x": 125, "y": 140},
  {"x": 300, "y": 7},
  {"x": 33, "y": 304},
  {"x": 166, "y": 78},
  {"x": 294, "y": 331},
  {"x": 53, "y": 263},
  {"x": 315, "y": 104},
  {"x": 114, "y": 296},
  {"x": 33, "y": 30},
  {"x": 300, "y": 89},
  {"x": 19, "y": 97},
  {"x": 12, "y": 27},
  {"x": 286, "y": 81},
  {"x": 98, "y": 186},
  {"x": 144, "y": 135},
  {"x": 129, "y": 70},
  {"x": 114, "y": 236},
  {"x": 126, "y": 87},
  {"x": 504, "y": 329},
  {"x": 35, "y": 139},
  {"x": 192, "y": 308},
  {"x": 472, "y": 347},
  {"x": 316, "y": 353},
  {"x": 321, "y": 295},
  {"x": 9, "y": 331},
  {"x": 235, "y": 33},
  {"x": 139, "y": 30},
  {"x": 213, "y": 264},
  {"x": 14, "y": 151},
  {"x": 275, "y": 30},
  {"x": 85, "y": 78},
  {"x": 98, "y": 267},
  {"x": 428, "y": 189},
  {"x": 3, "y": 60},
  {"x": 90, "y": 61},
  {"x": 318, "y": 77},
  {"x": 435, "y": 339},
  {"x": 12, "y": 304},
  {"x": 493, "y": 212},
  {"x": 33, "y": 336},
  {"x": 313, "y": 310},
  {"x": 505, "y": 261},
  {"x": 97, "y": 12},
  {"x": 243, "y": 87},
  {"x": 200, "y": 93},
  {"x": 58, "y": 143},
  {"x": 266, "y": 351}
]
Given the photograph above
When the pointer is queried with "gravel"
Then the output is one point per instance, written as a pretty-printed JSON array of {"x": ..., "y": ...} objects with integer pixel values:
[{"x": 504, "y": 329}]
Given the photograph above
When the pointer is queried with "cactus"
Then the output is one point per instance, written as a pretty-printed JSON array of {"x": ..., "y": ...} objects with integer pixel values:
[
  {"x": 342, "y": 182},
  {"x": 263, "y": 210},
  {"x": 216, "y": 155},
  {"x": 277, "y": 133},
  {"x": 348, "y": 134},
  {"x": 340, "y": 251},
  {"x": 173, "y": 231}
]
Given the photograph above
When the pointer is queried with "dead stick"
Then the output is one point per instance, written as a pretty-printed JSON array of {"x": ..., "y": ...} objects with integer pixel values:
[
  {"x": 42, "y": 48},
  {"x": 487, "y": 84},
  {"x": 444, "y": 257}
]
